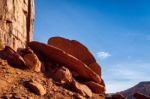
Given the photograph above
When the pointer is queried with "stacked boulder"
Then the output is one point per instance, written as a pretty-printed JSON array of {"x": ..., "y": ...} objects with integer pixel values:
[{"x": 68, "y": 62}]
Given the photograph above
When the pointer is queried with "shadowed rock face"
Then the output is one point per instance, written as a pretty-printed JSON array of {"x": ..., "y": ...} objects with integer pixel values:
[
  {"x": 12, "y": 57},
  {"x": 140, "y": 96},
  {"x": 77, "y": 50}
]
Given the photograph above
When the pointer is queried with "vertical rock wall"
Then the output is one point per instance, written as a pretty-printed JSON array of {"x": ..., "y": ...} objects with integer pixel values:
[{"x": 16, "y": 22}]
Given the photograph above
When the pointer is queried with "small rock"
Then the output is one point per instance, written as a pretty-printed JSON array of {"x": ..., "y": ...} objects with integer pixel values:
[
  {"x": 78, "y": 96},
  {"x": 82, "y": 89},
  {"x": 36, "y": 87}
]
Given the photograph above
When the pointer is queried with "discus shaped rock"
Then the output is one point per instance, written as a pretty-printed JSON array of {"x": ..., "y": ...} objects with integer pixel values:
[
  {"x": 59, "y": 56},
  {"x": 77, "y": 50}
]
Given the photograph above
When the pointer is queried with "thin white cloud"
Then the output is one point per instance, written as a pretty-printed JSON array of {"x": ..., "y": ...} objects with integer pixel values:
[
  {"x": 119, "y": 77},
  {"x": 103, "y": 55}
]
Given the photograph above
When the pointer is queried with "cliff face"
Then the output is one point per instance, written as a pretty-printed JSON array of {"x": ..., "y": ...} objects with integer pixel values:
[{"x": 16, "y": 22}]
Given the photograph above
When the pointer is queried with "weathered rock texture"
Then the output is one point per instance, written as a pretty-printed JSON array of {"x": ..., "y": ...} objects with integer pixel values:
[
  {"x": 16, "y": 22},
  {"x": 59, "y": 56},
  {"x": 77, "y": 50}
]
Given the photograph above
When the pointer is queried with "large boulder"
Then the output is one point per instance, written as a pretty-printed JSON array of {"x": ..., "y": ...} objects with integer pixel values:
[
  {"x": 31, "y": 59},
  {"x": 59, "y": 56},
  {"x": 12, "y": 57},
  {"x": 77, "y": 50}
]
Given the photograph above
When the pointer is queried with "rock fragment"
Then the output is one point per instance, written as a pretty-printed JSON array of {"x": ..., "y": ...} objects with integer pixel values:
[
  {"x": 36, "y": 87},
  {"x": 31, "y": 60},
  {"x": 63, "y": 75},
  {"x": 82, "y": 89},
  {"x": 95, "y": 87}
]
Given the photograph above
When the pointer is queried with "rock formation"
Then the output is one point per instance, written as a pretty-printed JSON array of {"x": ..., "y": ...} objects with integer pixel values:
[
  {"x": 51, "y": 53},
  {"x": 41, "y": 65},
  {"x": 16, "y": 22},
  {"x": 77, "y": 50},
  {"x": 57, "y": 70}
]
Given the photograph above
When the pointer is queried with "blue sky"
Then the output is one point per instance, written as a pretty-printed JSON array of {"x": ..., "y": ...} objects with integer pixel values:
[{"x": 117, "y": 32}]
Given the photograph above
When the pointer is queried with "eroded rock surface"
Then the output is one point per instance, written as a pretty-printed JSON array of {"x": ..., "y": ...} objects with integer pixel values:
[
  {"x": 77, "y": 50},
  {"x": 59, "y": 56}
]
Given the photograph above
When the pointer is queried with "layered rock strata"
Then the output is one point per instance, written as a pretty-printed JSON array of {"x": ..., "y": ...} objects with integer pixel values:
[{"x": 16, "y": 22}]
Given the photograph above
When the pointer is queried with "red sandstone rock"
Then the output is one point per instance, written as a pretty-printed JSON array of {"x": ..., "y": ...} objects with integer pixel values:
[
  {"x": 16, "y": 22},
  {"x": 57, "y": 55},
  {"x": 82, "y": 89},
  {"x": 12, "y": 57},
  {"x": 77, "y": 50},
  {"x": 36, "y": 87},
  {"x": 63, "y": 75},
  {"x": 31, "y": 60},
  {"x": 95, "y": 87},
  {"x": 140, "y": 96}
]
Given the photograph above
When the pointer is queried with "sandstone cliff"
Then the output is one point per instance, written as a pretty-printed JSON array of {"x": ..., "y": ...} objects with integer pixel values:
[{"x": 16, "y": 22}]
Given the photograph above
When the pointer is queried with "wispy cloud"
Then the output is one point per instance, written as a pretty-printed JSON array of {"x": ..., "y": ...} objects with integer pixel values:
[
  {"x": 125, "y": 75},
  {"x": 103, "y": 55}
]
